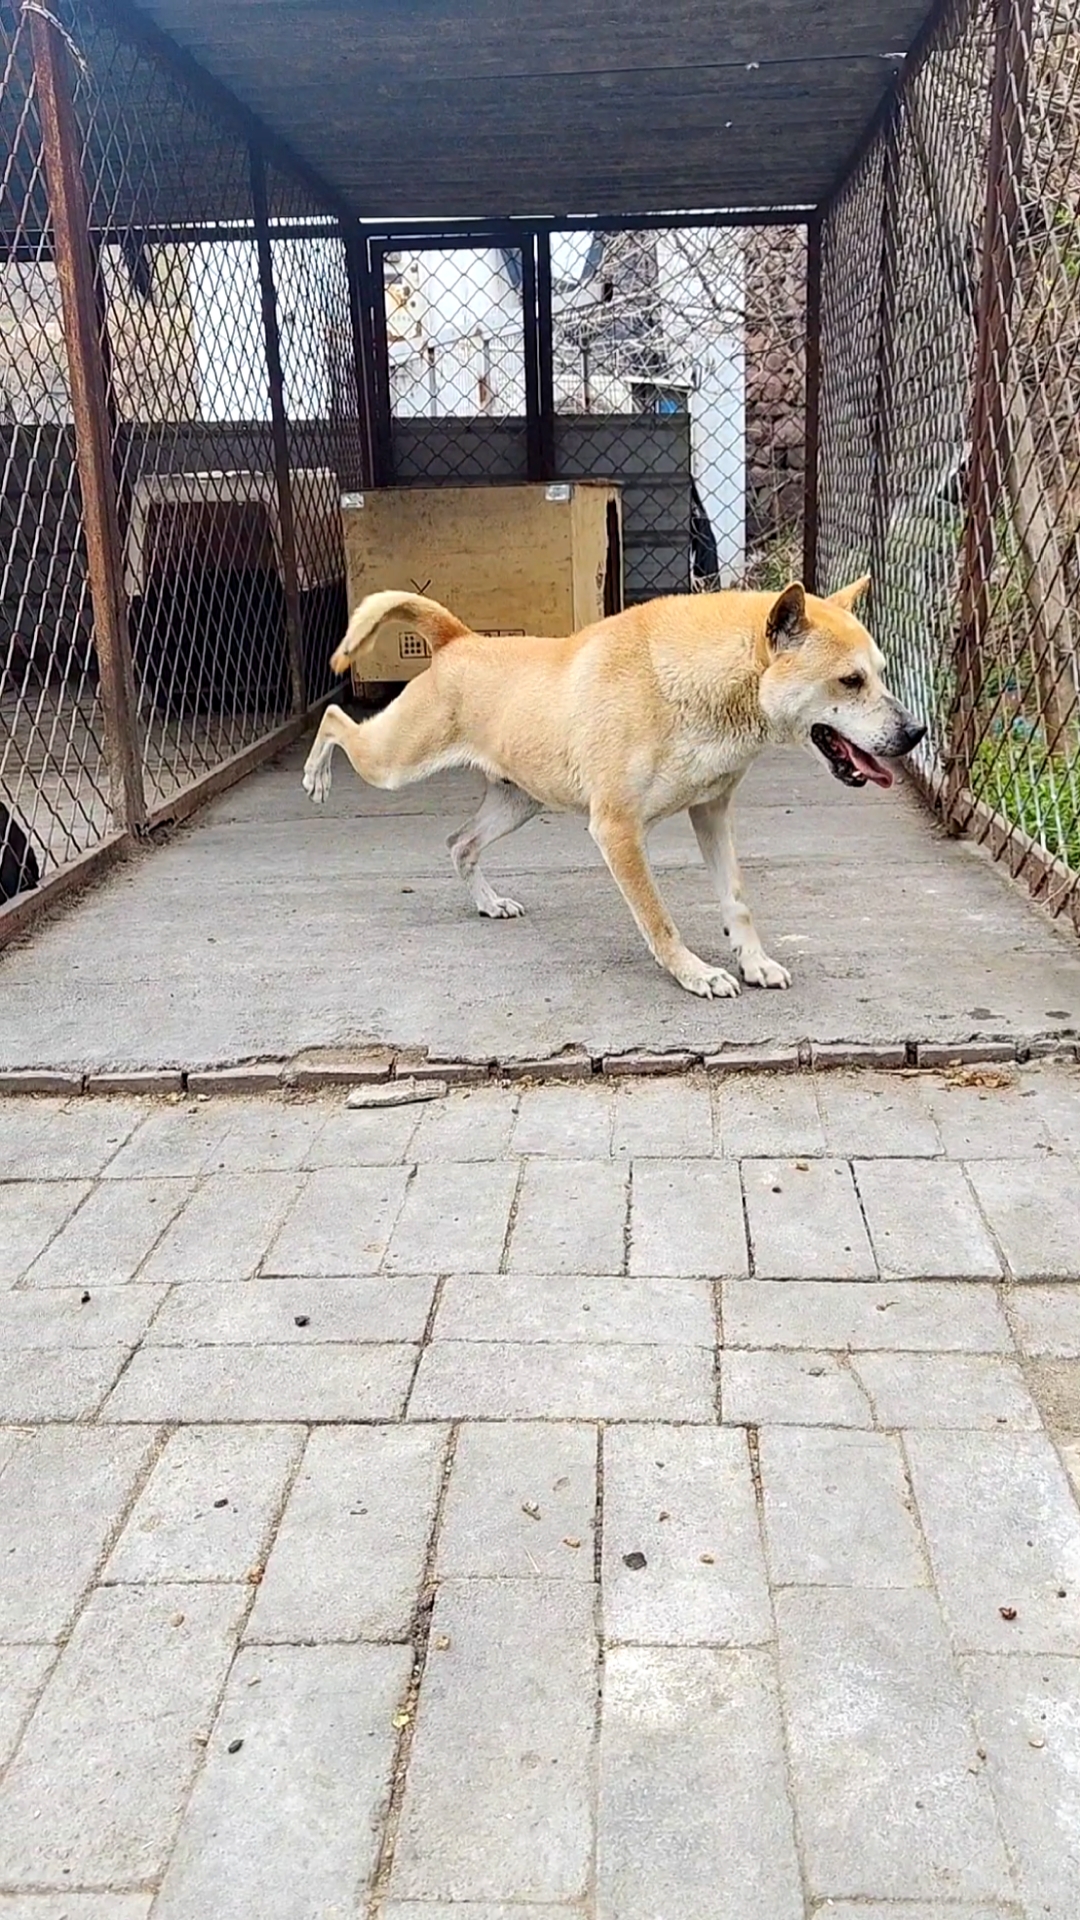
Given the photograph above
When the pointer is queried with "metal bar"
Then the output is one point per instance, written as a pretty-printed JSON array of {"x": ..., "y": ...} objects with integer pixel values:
[
  {"x": 383, "y": 416},
  {"x": 93, "y": 448},
  {"x": 441, "y": 233},
  {"x": 545, "y": 354},
  {"x": 813, "y": 403},
  {"x": 279, "y": 430},
  {"x": 985, "y": 477},
  {"x": 35, "y": 243},
  {"x": 534, "y": 461},
  {"x": 354, "y": 249},
  {"x": 140, "y": 32},
  {"x": 886, "y": 331}
]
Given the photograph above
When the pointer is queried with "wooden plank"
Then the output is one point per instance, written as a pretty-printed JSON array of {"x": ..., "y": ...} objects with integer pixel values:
[{"x": 104, "y": 557}]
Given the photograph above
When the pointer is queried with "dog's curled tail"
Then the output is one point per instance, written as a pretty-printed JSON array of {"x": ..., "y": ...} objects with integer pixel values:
[{"x": 437, "y": 625}]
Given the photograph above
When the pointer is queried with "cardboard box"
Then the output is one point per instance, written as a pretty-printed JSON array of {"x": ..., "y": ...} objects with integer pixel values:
[{"x": 510, "y": 559}]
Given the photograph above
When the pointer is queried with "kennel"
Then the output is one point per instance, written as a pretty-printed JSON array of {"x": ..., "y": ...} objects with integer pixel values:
[{"x": 432, "y": 246}]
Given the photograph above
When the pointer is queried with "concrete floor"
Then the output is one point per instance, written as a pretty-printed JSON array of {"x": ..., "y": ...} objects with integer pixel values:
[{"x": 266, "y": 927}]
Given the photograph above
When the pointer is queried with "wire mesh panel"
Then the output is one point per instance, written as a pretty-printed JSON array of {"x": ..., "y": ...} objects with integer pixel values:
[
  {"x": 679, "y": 372},
  {"x": 951, "y": 420},
  {"x": 172, "y": 226},
  {"x": 455, "y": 362},
  {"x": 53, "y": 782}
]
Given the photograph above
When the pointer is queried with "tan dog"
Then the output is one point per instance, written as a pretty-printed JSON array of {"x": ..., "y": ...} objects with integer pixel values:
[{"x": 631, "y": 720}]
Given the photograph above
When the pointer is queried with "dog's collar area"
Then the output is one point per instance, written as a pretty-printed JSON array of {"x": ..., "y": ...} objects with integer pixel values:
[{"x": 847, "y": 762}]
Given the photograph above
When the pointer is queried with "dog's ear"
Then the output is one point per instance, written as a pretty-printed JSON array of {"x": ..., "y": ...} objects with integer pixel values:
[
  {"x": 786, "y": 624},
  {"x": 846, "y": 597}
]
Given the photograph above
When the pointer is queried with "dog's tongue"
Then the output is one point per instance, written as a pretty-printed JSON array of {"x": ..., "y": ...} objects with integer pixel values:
[{"x": 874, "y": 769}]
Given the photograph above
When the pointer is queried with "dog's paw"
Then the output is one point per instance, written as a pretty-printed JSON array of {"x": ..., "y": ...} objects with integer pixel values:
[
  {"x": 500, "y": 907},
  {"x": 759, "y": 971},
  {"x": 317, "y": 782},
  {"x": 709, "y": 983}
]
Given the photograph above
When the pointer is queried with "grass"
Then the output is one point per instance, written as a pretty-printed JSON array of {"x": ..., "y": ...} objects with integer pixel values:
[{"x": 1037, "y": 792}]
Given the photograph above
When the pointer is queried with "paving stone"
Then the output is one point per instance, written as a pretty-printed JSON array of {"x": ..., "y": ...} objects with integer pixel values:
[
  {"x": 684, "y": 1497},
  {"x": 76, "y": 1140},
  {"x": 11, "y": 1439},
  {"x": 668, "y": 1119},
  {"x": 1056, "y": 1387},
  {"x": 474, "y": 1124},
  {"x": 923, "y": 1221},
  {"x": 1069, "y": 1451},
  {"x": 287, "y": 1827},
  {"x": 565, "y": 1307},
  {"x": 22, "y": 1675},
  {"x": 265, "y": 1076},
  {"x": 875, "y": 1116},
  {"x": 1027, "y": 1711},
  {"x": 179, "y": 1140},
  {"x": 946, "y": 1390},
  {"x": 31, "y": 1212},
  {"x": 475, "y": 1380},
  {"x": 340, "y": 1224},
  {"x": 208, "y": 1508},
  {"x": 571, "y": 1218},
  {"x": 890, "y": 1800},
  {"x": 96, "y": 1790},
  {"x": 55, "y": 1384},
  {"x": 792, "y": 1389},
  {"x": 837, "y": 1510},
  {"x": 348, "y": 1557},
  {"x": 265, "y": 1312},
  {"x": 105, "y": 1243},
  {"x": 463, "y": 1910},
  {"x": 75, "y": 1906},
  {"x": 504, "y": 1729},
  {"x": 913, "y": 1910},
  {"x": 1003, "y": 1532},
  {"x": 1046, "y": 1320},
  {"x": 694, "y": 1818},
  {"x": 565, "y": 1122},
  {"x": 65, "y": 1493},
  {"x": 267, "y": 1136},
  {"x": 264, "y": 1383},
  {"x": 857, "y": 1314},
  {"x": 812, "y": 1228},
  {"x": 1054, "y": 1092},
  {"x": 686, "y": 1217},
  {"x": 521, "y": 1501},
  {"x": 223, "y": 1231},
  {"x": 362, "y": 1137},
  {"x": 768, "y": 1116},
  {"x": 989, "y": 1123},
  {"x": 63, "y": 1317},
  {"x": 454, "y": 1219},
  {"x": 1031, "y": 1208},
  {"x": 137, "y": 1080}
]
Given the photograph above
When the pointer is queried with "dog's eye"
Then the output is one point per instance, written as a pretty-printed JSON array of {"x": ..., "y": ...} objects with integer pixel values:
[{"x": 852, "y": 680}]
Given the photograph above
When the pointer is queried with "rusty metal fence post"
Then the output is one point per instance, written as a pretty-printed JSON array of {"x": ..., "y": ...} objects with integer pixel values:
[
  {"x": 813, "y": 401},
  {"x": 89, "y": 400},
  {"x": 279, "y": 427}
]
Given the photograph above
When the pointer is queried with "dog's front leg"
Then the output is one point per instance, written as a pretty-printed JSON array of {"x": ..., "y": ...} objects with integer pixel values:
[
  {"x": 620, "y": 839},
  {"x": 712, "y": 824}
]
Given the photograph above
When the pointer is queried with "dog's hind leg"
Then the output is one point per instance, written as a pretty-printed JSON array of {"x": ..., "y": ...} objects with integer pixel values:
[
  {"x": 412, "y": 737},
  {"x": 712, "y": 824},
  {"x": 503, "y": 808}
]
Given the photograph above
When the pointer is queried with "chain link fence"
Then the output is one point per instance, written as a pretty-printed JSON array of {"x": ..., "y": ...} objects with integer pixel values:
[
  {"x": 182, "y": 612},
  {"x": 950, "y": 414}
]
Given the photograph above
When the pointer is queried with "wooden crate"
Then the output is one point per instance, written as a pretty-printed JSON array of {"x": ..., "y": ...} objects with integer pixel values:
[{"x": 509, "y": 559}]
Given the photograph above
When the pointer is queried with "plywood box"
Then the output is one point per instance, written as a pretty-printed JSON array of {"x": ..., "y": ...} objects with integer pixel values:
[{"x": 513, "y": 559}]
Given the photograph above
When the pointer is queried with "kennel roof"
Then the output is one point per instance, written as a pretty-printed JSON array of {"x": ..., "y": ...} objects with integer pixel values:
[{"x": 445, "y": 109}]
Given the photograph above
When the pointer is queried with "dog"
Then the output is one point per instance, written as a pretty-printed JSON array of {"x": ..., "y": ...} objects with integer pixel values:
[
  {"x": 642, "y": 715},
  {"x": 19, "y": 871}
]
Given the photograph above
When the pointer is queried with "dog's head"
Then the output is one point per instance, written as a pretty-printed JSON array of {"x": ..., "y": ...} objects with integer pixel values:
[{"x": 822, "y": 686}]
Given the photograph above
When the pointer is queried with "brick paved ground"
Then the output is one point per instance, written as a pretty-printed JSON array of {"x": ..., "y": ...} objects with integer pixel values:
[{"x": 650, "y": 1502}]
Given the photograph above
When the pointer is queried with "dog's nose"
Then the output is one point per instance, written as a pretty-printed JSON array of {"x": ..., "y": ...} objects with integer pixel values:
[{"x": 911, "y": 733}]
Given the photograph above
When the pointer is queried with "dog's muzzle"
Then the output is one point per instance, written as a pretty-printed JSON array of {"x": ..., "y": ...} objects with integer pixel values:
[{"x": 853, "y": 765}]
